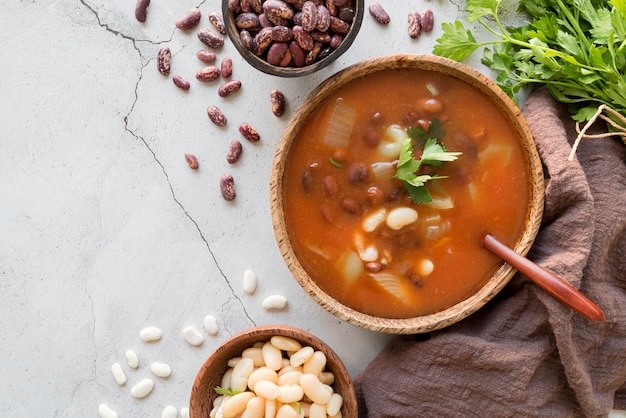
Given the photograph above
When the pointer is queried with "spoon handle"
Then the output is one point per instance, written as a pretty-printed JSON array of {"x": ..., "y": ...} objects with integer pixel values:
[{"x": 546, "y": 280}]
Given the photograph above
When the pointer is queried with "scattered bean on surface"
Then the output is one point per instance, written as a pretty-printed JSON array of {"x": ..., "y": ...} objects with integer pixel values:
[
  {"x": 208, "y": 73},
  {"x": 189, "y": 20},
  {"x": 228, "y": 88},
  {"x": 184, "y": 412},
  {"x": 248, "y": 132},
  {"x": 249, "y": 281},
  {"x": 164, "y": 57},
  {"x": 192, "y": 336},
  {"x": 427, "y": 20},
  {"x": 192, "y": 161},
  {"x": 210, "y": 38},
  {"x": 118, "y": 374},
  {"x": 227, "y": 187},
  {"x": 142, "y": 389},
  {"x": 217, "y": 20},
  {"x": 216, "y": 115},
  {"x": 169, "y": 412},
  {"x": 150, "y": 334},
  {"x": 106, "y": 412},
  {"x": 206, "y": 56},
  {"x": 180, "y": 82},
  {"x": 141, "y": 10},
  {"x": 415, "y": 24},
  {"x": 379, "y": 13},
  {"x": 210, "y": 325},
  {"x": 160, "y": 369},
  {"x": 277, "y": 100},
  {"x": 227, "y": 67},
  {"x": 234, "y": 151},
  {"x": 132, "y": 359},
  {"x": 275, "y": 302}
]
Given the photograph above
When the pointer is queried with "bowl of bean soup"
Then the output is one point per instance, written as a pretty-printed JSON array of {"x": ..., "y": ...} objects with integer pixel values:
[
  {"x": 385, "y": 182},
  {"x": 273, "y": 370}
]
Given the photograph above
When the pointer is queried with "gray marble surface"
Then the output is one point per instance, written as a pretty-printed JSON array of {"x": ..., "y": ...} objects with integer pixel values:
[{"x": 105, "y": 229}]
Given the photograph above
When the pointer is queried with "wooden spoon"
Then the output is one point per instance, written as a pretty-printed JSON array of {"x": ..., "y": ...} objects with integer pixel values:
[{"x": 546, "y": 280}]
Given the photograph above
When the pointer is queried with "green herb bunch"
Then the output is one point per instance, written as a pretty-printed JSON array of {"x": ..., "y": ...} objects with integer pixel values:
[{"x": 577, "y": 48}]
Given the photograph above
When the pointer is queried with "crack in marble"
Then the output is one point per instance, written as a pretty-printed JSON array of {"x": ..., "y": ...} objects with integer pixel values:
[{"x": 153, "y": 153}]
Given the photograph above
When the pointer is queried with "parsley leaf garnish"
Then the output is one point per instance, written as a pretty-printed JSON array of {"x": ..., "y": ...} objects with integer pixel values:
[
  {"x": 433, "y": 154},
  {"x": 577, "y": 48},
  {"x": 226, "y": 391}
]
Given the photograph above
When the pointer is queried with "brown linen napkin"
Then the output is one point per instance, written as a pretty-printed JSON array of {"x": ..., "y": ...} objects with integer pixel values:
[{"x": 524, "y": 353}]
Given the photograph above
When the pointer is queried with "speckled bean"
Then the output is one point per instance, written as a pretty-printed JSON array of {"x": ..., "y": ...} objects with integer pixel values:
[{"x": 189, "y": 20}]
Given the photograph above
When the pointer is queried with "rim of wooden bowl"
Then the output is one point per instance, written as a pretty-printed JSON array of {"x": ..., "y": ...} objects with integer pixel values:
[
  {"x": 264, "y": 66},
  {"x": 534, "y": 210},
  {"x": 210, "y": 374}
]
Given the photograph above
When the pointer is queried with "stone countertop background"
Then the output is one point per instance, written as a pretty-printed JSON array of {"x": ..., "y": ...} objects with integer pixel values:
[{"x": 105, "y": 229}]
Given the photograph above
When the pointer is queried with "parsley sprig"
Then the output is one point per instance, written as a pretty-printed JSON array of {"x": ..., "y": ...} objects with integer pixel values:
[
  {"x": 577, "y": 48},
  {"x": 433, "y": 154}
]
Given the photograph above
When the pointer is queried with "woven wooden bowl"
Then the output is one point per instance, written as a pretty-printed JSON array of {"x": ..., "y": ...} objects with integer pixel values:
[
  {"x": 261, "y": 64},
  {"x": 534, "y": 210},
  {"x": 210, "y": 374}
]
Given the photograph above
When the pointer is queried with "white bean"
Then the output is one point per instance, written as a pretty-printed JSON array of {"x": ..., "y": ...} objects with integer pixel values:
[
  {"x": 287, "y": 411},
  {"x": 327, "y": 378},
  {"x": 272, "y": 356},
  {"x": 374, "y": 220},
  {"x": 106, "y": 412},
  {"x": 337, "y": 415},
  {"x": 118, "y": 374},
  {"x": 233, "y": 361},
  {"x": 132, "y": 359},
  {"x": 287, "y": 369},
  {"x": 249, "y": 282},
  {"x": 260, "y": 374},
  {"x": 425, "y": 267},
  {"x": 184, "y": 412},
  {"x": 290, "y": 393},
  {"x": 315, "y": 364},
  {"x": 255, "y": 408},
  {"x": 169, "y": 412},
  {"x": 334, "y": 404},
  {"x": 275, "y": 302},
  {"x": 270, "y": 408},
  {"x": 256, "y": 354},
  {"x": 150, "y": 334},
  {"x": 401, "y": 217},
  {"x": 227, "y": 378},
  {"x": 160, "y": 369},
  {"x": 291, "y": 378},
  {"x": 317, "y": 411},
  {"x": 267, "y": 390},
  {"x": 314, "y": 389},
  {"x": 285, "y": 343},
  {"x": 142, "y": 389},
  {"x": 241, "y": 372},
  {"x": 236, "y": 404},
  {"x": 299, "y": 357},
  {"x": 192, "y": 336},
  {"x": 210, "y": 325}
]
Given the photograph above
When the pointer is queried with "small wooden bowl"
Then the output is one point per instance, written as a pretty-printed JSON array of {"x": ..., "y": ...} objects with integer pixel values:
[
  {"x": 534, "y": 210},
  {"x": 210, "y": 375},
  {"x": 262, "y": 65}
]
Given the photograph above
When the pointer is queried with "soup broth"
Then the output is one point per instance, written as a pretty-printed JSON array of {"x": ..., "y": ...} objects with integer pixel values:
[{"x": 355, "y": 229}]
